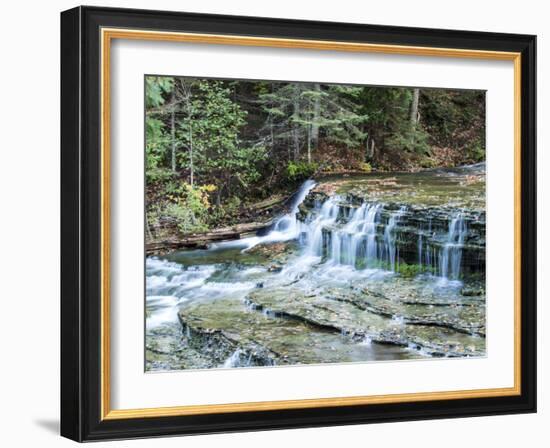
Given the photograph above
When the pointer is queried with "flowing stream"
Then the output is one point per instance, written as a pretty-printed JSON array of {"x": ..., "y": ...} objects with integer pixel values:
[{"x": 360, "y": 269}]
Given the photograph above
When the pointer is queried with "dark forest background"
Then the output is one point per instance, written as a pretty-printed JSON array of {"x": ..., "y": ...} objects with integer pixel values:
[{"x": 222, "y": 152}]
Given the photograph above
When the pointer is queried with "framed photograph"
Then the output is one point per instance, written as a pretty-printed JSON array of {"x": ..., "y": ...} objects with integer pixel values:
[{"x": 276, "y": 224}]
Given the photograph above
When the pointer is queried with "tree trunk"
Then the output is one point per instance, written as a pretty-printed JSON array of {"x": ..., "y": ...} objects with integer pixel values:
[
  {"x": 270, "y": 118},
  {"x": 309, "y": 144},
  {"x": 271, "y": 134},
  {"x": 186, "y": 88},
  {"x": 173, "y": 131},
  {"x": 370, "y": 149},
  {"x": 219, "y": 196},
  {"x": 296, "y": 129},
  {"x": 148, "y": 228},
  {"x": 316, "y": 116},
  {"x": 201, "y": 240},
  {"x": 414, "y": 108},
  {"x": 191, "y": 166}
]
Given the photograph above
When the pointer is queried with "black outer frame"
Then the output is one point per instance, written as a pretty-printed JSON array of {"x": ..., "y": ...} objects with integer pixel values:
[{"x": 80, "y": 224}]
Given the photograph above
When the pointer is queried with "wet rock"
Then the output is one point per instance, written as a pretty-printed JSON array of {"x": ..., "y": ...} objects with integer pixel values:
[
  {"x": 452, "y": 331},
  {"x": 219, "y": 329},
  {"x": 469, "y": 291},
  {"x": 167, "y": 349}
]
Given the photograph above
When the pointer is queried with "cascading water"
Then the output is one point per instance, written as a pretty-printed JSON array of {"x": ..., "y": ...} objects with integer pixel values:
[
  {"x": 419, "y": 247},
  {"x": 285, "y": 228},
  {"x": 451, "y": 252},
  {"x": 358, "y": 242},
  {"x": 389, "y": 238},
  {"x": 369, "y": 230},
  {"x": 169, "y": 284},
  {"x": 328, "y": 214},
  {"x": 367, "y": 237},
  {"x": 355, "y": 244},
  {"x": 238, "y": 359}
]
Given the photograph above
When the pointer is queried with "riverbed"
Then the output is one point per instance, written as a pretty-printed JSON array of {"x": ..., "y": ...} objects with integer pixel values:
[{"x": 362, "y": 268}]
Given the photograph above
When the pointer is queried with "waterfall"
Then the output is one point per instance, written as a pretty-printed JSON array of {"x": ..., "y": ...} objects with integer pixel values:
[
  {"x": 238, "y": 358},
  {"x": 451, "y": 252},
  {"x": 369, "y": 230},
  {"x": 285, "y": 228},
  {"x": 367, "y": 237},
  {"x": 419, "y": 247},
  {"x": 328, "y": 214},
  {"x": 342, "y": 240},
  {"x": 389, "y": 238},
  {"x": 360, "y": 235},
  {"x": 354, "y": 243},
  {"x": 364, "y": 236},
  {"x": 287, "y": 224},
  {"x": 300, "y": 196}
]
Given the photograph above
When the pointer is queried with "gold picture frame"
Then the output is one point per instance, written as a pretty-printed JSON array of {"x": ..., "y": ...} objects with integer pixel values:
[{"x": 108, "y": 31}]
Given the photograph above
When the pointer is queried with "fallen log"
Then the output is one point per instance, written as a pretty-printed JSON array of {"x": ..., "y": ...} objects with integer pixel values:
[{"x": 201, "y": 240}]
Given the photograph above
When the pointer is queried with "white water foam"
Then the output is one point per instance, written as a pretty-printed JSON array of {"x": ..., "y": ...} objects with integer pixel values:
[{"x": 285, "y": 228}]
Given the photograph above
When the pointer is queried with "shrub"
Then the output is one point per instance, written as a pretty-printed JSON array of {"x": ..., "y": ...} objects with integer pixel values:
[
  {"x": 428, "y": 162},
  {"x": 412, "y": 270},
  {"x": 298, "y": 171},
  {"x": 188, "y": 205},
  {"x": 405, "y": 269},
  {"x": 477, "y": 152},
  {"x": 227, "y": 213},
  {"x": 365, "y": 167},
  {"x": 185, "y": 219}
]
